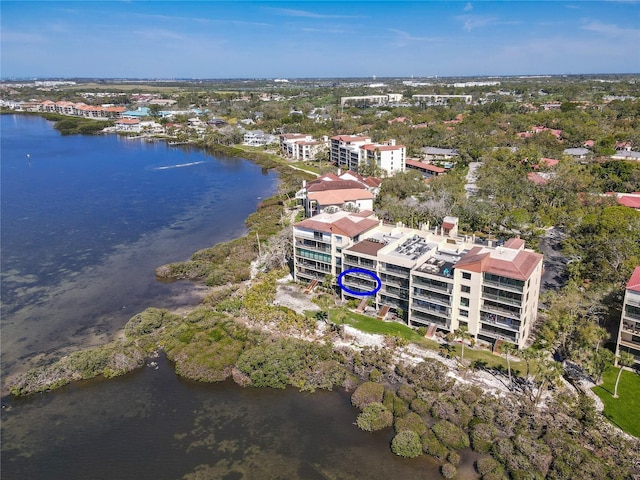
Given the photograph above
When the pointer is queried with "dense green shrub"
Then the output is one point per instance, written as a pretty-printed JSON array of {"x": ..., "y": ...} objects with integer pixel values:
[
  {"x": 374, "y": 416},
  {"x": 453, "y": 458},
  {"x": 147, "y": 322},
  {"x": 282, "y": 362},
  {"x": 367, "y": 393},
  {"x": 448, "y": 470},
  {"x": 487, "y": 465},
  {"x": 406, "y": 393},
  {"x": 482, "y": 436},
  {"x": 420, "y": 406},
  {"x": 406, "y": 444},
  {"x": 432, "y": 446},
  {"x": 395, "y": 404},
  {"x": 411, "y": 421},
  {"x": 450, "y": 435}
]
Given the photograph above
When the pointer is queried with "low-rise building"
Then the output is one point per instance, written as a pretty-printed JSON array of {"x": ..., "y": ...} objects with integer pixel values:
[
  {"x": 302, "y": 147},
  {"x": 351, "y": 152},
  {"x": 629, "y": 331},
  {"x": 435, "y": 153},
  {"x": 347, "y": 191},
  {"x": 258, "y": 138}
]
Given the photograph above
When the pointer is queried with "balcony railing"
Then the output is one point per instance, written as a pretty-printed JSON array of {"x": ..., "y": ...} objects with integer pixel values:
[
  {"x": 501, "y": 298},
  {"x": 631, "y": 313},
  {"x": 498, "y": 333},
  {"x": 425, "y": 319},
  {"x": 500, "y": 322},
  {"x": 386, "y": 279},
  {"x": 433, "y": 296},
  {"x": 504, "y": 284},
  {"x": 395, "y": 270},
  {"x": 317, "y": 246},
  {"x": 631, "y": 327},
  {"x": 396, "y": 292},
  {"x": 431, "y": 308},
  {"x": 432, "y": 284},
  {"x": 492, "y": 307}
]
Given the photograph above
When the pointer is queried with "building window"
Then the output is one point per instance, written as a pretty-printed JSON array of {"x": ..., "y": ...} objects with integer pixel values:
[
  {"x": 464, "y": 302},
  {"x": 464, "y": 313},
  {"x": 338, "y": 239},
  {"x": 465, "y": 289},
  {"x": 466, "y": 275}
]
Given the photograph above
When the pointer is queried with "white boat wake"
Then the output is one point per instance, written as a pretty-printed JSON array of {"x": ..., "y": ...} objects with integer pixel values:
[{"x": 180, "y": 165}]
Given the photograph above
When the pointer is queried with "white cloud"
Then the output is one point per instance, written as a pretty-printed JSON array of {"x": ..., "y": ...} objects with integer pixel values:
[
  {"x": 468, "y": 7},
  {"x": 9, "y": 36},
  {"x": 289, "y": 12},
  {"x": 612, "y": 30},
  {"x": 404, "y": 38}
]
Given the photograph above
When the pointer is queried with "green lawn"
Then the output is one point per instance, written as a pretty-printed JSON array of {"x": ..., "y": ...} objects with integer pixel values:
[
  {"x": 623, "y": 411},
  {"x": 368, "y": 324}
]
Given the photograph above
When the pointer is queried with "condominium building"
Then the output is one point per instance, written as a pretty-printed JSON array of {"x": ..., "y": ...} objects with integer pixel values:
[
  {"x": 318, "y": 242},
  {"x": 629, "y": 331},
  {"x": 442, "y": 280},
  {"x": 351, "y": 152},
  {"x": 302, "y": 147}
]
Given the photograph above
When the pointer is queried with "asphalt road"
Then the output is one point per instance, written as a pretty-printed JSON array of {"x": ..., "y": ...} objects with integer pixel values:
[{"x": 554, "y": 275}]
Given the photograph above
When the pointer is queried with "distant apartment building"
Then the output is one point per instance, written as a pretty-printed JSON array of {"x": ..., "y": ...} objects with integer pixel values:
[
  {"x": 629, "y": 331},
  {"x": 302, "y": 147},
  {"x": 432, "y": 99},
  {"x": 81, "y": 109},
  {"x": 331, "y": 193},
  {"x": 371, "y": 100},
  {"x": 438, "y": 279},
  {"x": 257, "y": 138},
  {"x": 352, "y": 151}
]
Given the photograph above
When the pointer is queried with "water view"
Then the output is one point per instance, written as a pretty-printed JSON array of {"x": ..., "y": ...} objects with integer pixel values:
[{"x": 85, "y": 220}]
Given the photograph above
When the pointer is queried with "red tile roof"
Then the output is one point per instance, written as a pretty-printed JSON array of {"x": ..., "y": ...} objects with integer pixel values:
[
  {"x": 479, "y": 260},
  {"x": 368, "y": 247},
  {"x": 424, "y": 166},
  {"x": 537, "y": 178},
  {"x": 516, "y": 243},
  {"x": 343, "y": 226},
  {"x": 634, "y": 281},
  {"x": 321, "y": 186},
  {"x": 338, "y": 197},
  {"x": 382, "y": 148},
  {"x": 631, "y": 200}
]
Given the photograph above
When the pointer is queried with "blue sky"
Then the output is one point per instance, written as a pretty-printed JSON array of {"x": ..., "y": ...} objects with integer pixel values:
[{"x": 268, "y": 39}]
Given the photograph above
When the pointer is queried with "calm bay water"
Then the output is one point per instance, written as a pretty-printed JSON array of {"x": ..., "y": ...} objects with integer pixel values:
[{"x": 85, "y": 220}]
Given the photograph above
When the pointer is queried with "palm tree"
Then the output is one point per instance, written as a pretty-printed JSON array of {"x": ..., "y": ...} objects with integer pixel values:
[
  {"x": 549, "y": 372},
  {"x": 463, "y": 334},
  {"x": 624, "y": 360},
  {"x": 508, "y": 349}
]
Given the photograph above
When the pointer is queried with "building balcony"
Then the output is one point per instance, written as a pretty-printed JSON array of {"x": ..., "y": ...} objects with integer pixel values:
[
  {"x": 631, "y": 314},
  {"x": 499, "y": 321},
  {"x": 432, "y": 284},
  {"x": 427, "y": 307},
  {"x": 631, "y": 327},
  {"x": 317, "y": 266},
  {"x": 399, "y": 282},
  {"x": 503, "y": 299},
  {"x": 421, "y": 319},
  {"x": 431, "y": 296},
  {"x": 395, "y": 292},
  {"x": 504, "y": 285},
  {"x": 629, "y": 344},
  {"x": 498, "y": 334},
  {"x": 503, "y": 310},
  {"x": 314, "y": 245},
  {"x": 392, "y": 301},
  {"x": 394, "y": 270}
]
